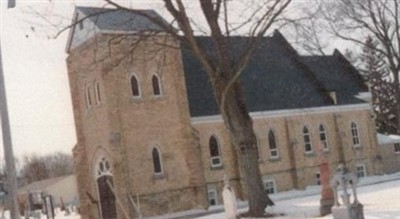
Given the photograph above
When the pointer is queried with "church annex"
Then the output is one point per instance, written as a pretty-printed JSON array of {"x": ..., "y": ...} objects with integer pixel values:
[{"x": 149, "y": 135}]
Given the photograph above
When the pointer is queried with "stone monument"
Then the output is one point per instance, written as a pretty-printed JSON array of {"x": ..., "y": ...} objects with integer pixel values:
[
  {"x": 327, "y": 199},
  {"x": 229, "y": 198},
  {"x": 348, "y": 210}
]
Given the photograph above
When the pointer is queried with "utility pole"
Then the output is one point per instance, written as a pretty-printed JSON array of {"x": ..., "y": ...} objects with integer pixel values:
[{"x": 7, "y": 143}]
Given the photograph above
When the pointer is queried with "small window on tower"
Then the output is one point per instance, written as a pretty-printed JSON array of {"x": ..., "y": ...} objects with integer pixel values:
[
  {"x": 135, "y": 89},
  {"x": 156, "y": 85},
  {"x": 88, "y": 97},
  {"x": 97, "y": 92}
]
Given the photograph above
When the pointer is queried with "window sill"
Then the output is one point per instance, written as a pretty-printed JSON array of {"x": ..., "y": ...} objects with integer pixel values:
[
  {"x": 309, "y": 154},
  {"x": 274, "y": 159},
  {"x": 158, "y": 176},
  {"x": 158, "y": 98},
  {"x": 136, "y": 99},
  {"x": 219, "y": 167},
  {"x": 357, "y": 147},
  {"x": 326, "y": 151}
]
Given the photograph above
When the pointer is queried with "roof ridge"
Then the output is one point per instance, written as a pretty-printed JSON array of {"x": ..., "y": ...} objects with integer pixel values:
[
  {"x": 310, "y": 75},
  {"x": 352, "y": 70}
]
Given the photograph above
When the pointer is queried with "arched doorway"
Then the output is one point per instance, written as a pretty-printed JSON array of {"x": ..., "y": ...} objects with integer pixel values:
[{"x": 104, "y": 183}]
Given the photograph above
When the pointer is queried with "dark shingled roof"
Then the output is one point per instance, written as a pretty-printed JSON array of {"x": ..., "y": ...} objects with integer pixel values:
[
  {"x": 338, "y": 75},
  {"x": 120, "y": 20},
  {"x": 276, "y": 78}
]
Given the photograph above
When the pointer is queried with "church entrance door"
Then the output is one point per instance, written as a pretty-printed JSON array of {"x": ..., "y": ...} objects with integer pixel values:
[
  {"x": 104, "y": 179},
  {"x": 107, "y": 198}
]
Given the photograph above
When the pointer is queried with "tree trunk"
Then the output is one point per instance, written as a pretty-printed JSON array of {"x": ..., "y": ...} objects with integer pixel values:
[{"x": 240, "y": 127}]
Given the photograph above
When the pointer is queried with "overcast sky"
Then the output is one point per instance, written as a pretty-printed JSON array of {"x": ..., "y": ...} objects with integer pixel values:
[
  {"x": 35, "y": 73},
  {"x": 36, "y": 79},
  {"x": 36, "y": 84}
]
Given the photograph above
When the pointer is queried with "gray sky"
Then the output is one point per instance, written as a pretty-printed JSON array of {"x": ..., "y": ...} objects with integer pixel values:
[
  {"x": 36, "y": 83},
  {"x": 36, "y": 78},
  {"x": 35, "y": 73}
]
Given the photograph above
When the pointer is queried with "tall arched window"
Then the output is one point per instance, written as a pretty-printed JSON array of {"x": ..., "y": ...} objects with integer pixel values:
[
  {"x": 354, "y": 134},
  {"x": 214, "y": 152},
  {"x": 135, "y": 86},
  {"x": 323, "y": 137},
  {"x": 273, "y": 149},
  {"x": 156, "y": 161},
  {"x": 88, "y": 97},
  {"x": 307, "y": 140},
  {"x": 156, "y": 85},
  {"x": 97, "y": 92}
]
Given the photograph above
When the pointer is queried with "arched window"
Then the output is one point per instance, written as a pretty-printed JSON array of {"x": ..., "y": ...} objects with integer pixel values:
[
  {"x": 157, "y": 161},
  {"x": 156, "y": 85},
  {"x": 135, "y": 86},
  {"x": 214, "y": 152},
  {"x": 97, "y": 92},
  {"x": 323, "y": 137},
  {"x": 354, "y": 134},
  {"x": 273, "y": 149},
  {"x": 307, "y": 140},
  {"x": 103, "y": 168},
  {"x": 88, "y": 97}
]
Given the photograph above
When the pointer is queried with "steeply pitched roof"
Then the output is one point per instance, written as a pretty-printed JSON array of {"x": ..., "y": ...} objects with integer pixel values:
[
  {"x": 274, "y": 79},
  {"x": 121, "y": 20},
  {"x": 338, "y": 75}
]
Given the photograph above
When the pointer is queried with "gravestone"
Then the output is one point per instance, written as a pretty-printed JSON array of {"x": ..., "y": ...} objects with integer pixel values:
[
  {"x": 229, "y": 198},
  {"x": 349, "y": 210},
  {"x": 326, "y": 201}
]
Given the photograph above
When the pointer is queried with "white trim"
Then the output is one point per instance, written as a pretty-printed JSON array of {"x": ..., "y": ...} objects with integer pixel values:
[
  {"x": 269, "y": 146},
  {"x": 353, "y": 136},
  {"x": 326, "y": 137},
  {"x": 212, "y": 188},
  {"x": 105, "y": 172},
  {"x": 265, "y": 181},
  {"x": 309, "y": 138},
  {"x": 88, "y": 97},
  {"x": 285, "y": 113},
  {"x": 364, "y": 169},
  {"x": 97, "y": 94},
  {"x": 216, "y": 158}
]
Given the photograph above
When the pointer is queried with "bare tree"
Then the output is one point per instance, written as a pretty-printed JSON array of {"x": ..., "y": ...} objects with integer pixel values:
[
  {"x": 37, "y": 168},
  {"x": 353, "y": 21},
  {"x": 223, "y": 64},
  {"x": 34, "y": 169}
]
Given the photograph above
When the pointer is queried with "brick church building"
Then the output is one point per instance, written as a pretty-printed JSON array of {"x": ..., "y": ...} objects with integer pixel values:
[{"x": 150, "y": 137}]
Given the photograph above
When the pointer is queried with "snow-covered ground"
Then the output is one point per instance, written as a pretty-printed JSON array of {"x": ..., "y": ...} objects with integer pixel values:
[{"x": 380, "y": 196}]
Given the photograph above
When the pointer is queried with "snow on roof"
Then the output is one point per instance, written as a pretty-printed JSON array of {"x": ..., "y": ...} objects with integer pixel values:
[{"x": 387, "y": 139}]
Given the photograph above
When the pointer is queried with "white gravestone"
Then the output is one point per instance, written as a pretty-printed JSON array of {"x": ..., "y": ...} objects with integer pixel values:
[
  {"x": 229, "y": 197},
  {"x": 348, "y": 210}
]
